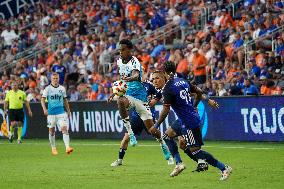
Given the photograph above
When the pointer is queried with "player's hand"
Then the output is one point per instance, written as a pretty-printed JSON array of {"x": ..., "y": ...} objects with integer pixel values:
[
  {"x": 213, "y": 104},
  {"x": 30, "y": 113},
  {"x": 45, "y": 112}
]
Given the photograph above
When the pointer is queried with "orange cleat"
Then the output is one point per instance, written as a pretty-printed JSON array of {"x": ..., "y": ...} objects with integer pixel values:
[
  {"x": 69, "y": 150},
  {"x": 54, "y": 151}
]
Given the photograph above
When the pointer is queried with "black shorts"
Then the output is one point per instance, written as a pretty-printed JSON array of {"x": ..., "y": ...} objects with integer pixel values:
[{"x": 16, "y": 115}]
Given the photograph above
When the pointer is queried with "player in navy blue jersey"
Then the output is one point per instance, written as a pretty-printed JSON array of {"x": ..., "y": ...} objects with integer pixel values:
[
  {"x": 136, "y": 122},
  {"x": 177, "y": 94}
]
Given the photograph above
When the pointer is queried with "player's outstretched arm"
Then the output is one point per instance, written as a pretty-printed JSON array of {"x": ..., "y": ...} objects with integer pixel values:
[
  {"x": 42, "y": 102},
  {"x": 110, "y": 98},
  {"x": 67, "y": 107},
  {"x": 198, "y": 92}
]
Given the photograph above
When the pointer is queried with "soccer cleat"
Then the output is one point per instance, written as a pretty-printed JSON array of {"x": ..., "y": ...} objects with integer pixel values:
[
  {"x": 11, "y": 138},
  {"x": 116, "y": 163},
  {"x": 69, "y": 150},
  {"x": 171, "y": 161},
  {"x": 54, "y": 151},
  {"x": 133, "y": 141},
  {"x": 201, "y": 166},
  {"x": 165, "y": 151},
  {"x": 226, "y": 173},
  {"x": 19, "y": 141},
  {"x": 177, "y": 170}
]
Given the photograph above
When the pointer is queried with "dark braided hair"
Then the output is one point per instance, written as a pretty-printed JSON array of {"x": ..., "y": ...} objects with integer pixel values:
[
  {"x": 126, "y": 42},
  {"x": 170, "y": 68}
]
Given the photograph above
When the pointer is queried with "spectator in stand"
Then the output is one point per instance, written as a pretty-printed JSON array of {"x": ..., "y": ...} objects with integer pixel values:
[
  {"x": 199, "y": 67},
  {"x": 249, "y": 88}
]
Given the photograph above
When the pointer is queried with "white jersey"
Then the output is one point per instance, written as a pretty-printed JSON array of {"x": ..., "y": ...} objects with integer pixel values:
[
  {"x": 55, "y": 99},
  {"x": 134, "y": 88}
]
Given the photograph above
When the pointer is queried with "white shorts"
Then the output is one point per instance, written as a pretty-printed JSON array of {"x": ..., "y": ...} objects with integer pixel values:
[
  {"x": 142, "y": 108},
  {"x": 61, "y": 120}
]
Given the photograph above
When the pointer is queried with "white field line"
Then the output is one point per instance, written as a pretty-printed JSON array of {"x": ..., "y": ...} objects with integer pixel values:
[{"x": 147, "y": 145}]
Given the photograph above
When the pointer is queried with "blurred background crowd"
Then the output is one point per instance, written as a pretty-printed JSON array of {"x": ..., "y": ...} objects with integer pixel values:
[{"x": 225, "y": 47}]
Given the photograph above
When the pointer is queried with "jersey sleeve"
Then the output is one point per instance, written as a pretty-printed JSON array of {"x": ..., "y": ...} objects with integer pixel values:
[
  {"x": 24, "y": 96},
  {"x": 136, "y": 65},
  {"x": 45, "y": 91},
  {"x": 168, "y": 96}
]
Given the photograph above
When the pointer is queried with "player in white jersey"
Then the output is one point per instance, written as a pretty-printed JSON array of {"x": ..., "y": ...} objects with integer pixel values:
[
  {"x": 130, "y": 71},
  {"x": 56, "y": 100}
]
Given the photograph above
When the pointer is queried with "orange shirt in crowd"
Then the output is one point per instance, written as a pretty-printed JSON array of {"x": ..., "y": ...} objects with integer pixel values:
[
  {"x": 198, "y": 60},
  {"x": 50, "y": 59},
  {"x": 276, "y": 91},
  {"x": 133, "y": 11},
  {"x": 264, "y": 90},
  {"x": 182, "y": 66},
  {"x": 92, "y": 95},
  {"x": 231, "y": 73},
  {"x": 145, "y": 60}
]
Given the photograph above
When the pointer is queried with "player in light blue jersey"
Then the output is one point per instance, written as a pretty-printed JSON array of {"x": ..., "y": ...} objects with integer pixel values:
[
  {"x": 130, "y": 71},
  {"x": 56, "y": 100}
]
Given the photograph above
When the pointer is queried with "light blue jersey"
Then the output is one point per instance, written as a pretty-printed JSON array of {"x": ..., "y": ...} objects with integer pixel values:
[
  {"x": 134, "y": 88},
  {"x": 55, "y": 99}
]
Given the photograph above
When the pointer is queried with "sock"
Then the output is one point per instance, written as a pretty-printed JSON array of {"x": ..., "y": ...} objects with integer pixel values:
[
  {"x": 66, "y": 140},
  {"x": 121, "y": 153},
  {"x": 200, "y": 154},
  {"x": 189, "y": 154},
  {"x": 12, "y": 130},
  {"x": 20, "y": 133},
  {"x": 127, "y": 125},
  {"x": 172, "y": 148},
  {"x": 52, "y": 140}
]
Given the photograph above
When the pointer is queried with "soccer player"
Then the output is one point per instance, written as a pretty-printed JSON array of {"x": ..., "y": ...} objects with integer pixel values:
[
  {"x": 176, "y": 94},
  {"x": 130, "y": 71},
  {"x": 56, "y": 100},
  {"x": 136, "y": 122},
  {"x": 14, "y": 101}
]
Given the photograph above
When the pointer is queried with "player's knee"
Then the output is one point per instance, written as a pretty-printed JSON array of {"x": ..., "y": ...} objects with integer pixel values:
[
  {"x": 64, "y": 130},
  {"x": 52, "y": 131}
]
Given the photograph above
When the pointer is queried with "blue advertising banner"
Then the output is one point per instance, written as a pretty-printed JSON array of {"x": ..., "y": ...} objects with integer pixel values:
[
  {"x": 238, "y": 118},
  {"x": 246, "y": 119},
  {"x": 9, "y": 8}
]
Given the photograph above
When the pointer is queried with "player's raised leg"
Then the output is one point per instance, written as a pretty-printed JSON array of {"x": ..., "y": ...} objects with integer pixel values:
[
  {"x": 122, "y": 151},
  {"x": 123, "y": 106}
]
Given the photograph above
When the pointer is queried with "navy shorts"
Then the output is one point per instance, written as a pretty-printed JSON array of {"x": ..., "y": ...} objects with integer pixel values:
[
  {"x": 136, "y": 122},
  {"x": 193, "y": 137}
]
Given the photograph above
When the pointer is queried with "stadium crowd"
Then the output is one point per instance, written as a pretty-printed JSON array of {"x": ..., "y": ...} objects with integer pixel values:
[{"x": 213, "y": 57}]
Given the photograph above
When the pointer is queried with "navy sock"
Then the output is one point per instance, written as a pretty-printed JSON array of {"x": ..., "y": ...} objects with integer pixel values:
[
  {"x": 189, "y": 154},
  {"x": 200, "y": 154},
  {"x": 173, "y": 148},
  {"x": 121, "y": 153}
]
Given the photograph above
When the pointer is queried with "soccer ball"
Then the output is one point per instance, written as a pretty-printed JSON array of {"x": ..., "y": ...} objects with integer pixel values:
[{"x": 119, "y": 88}]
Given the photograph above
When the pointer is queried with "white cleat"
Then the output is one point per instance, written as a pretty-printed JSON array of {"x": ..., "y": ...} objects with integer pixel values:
[
  {"x": 177, "y": 170},
  {"x": 116, "y": 163},
  {"x": 171, "y": 161},
  {"x": 226, "y": 173}
]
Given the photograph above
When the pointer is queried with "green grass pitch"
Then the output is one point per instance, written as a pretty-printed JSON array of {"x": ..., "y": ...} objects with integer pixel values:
[{"x": 31, "y": 165}]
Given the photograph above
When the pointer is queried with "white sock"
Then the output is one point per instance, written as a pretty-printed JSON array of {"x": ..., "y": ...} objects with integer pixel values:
[
  {"x": 66, "y": 140},
  {"x": 127, "y": 125},
  {"x": 52, "y": 140}
]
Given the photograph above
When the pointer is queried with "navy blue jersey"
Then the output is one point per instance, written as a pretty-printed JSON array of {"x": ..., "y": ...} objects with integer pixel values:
[{"x": 176, "y": 94}]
